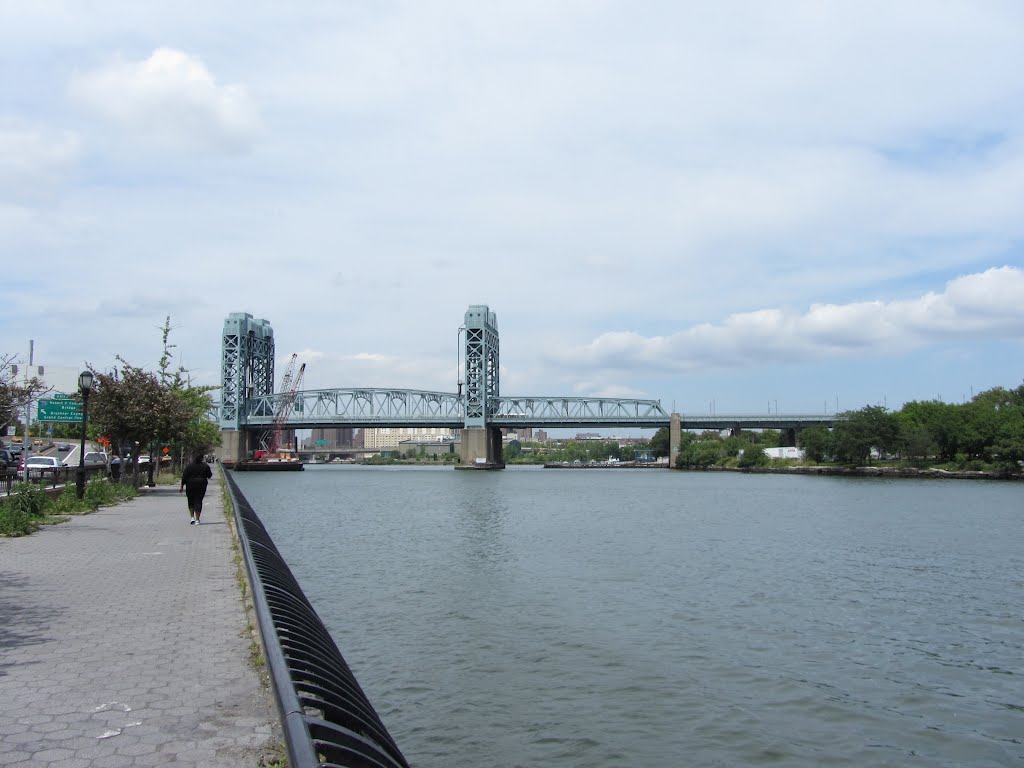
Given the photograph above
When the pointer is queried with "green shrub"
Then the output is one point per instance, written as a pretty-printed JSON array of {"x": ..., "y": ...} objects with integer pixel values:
[
  {"x": 753, "y": 456},
  {"x": 67, "y": 503},
  {"x": 15, "y": 521},
  {"x": 101, "y": 492},
  {"x": 29, "y": 498}
]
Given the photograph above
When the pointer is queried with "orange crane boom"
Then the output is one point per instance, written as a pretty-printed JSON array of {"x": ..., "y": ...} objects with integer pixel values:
[{"x": 284, "y": 406}]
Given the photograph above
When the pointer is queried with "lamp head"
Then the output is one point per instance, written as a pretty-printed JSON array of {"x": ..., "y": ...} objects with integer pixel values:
[{"x": 85, "y": 381}]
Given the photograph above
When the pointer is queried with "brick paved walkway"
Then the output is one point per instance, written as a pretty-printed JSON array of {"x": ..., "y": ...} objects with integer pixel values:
[{"x": 123, "y": 643}]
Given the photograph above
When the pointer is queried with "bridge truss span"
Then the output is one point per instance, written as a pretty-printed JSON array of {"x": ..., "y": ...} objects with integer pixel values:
[
  {"x": 408, "y": 407},
  {"x": 578, "y": 411},
  {"x": 362, "y": 407}
]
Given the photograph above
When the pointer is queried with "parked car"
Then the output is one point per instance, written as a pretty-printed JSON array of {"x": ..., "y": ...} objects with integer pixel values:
[
  {"x": 7, "y": 459},
  {"x": 38, "y": 465}
]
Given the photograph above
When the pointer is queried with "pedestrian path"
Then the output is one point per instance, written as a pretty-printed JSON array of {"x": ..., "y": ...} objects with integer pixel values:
[{"x": 123, "y": 642}]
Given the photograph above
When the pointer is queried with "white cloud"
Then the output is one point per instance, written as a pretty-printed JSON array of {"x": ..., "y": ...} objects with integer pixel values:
[
  {"x": 580, "y": 166},
  {"x": 170, "y": 99},
  {"x": 35, "y": 164},
  {"x": 978, "y": 306}
]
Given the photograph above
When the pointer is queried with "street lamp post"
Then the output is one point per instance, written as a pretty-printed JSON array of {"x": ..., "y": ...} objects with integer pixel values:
[{"x": 84, "y": 385}]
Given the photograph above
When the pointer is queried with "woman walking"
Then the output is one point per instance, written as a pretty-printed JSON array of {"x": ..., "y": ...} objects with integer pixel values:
[{"x": 193, "y": 482}]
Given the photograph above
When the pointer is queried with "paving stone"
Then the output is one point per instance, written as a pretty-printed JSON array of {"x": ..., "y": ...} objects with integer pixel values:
[{"x": 124, "y": 643}]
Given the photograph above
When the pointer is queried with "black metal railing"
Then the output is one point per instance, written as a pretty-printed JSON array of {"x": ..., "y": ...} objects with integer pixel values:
[
  {"x": 48, "y": 477},
  {"x": 326, "y": 717}
]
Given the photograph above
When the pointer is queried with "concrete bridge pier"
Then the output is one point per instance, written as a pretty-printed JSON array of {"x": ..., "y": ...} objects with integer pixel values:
[
  {"x": 675, "y": 438},
  {"x": 789, "y": 437},
  {"x": 481, "y": 449},
  {"x": 234, "y": 445}
]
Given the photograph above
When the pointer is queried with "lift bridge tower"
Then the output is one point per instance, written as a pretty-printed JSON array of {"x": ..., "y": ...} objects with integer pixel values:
[
  {"x": 247, "y": 370},
  {"x": 481, "y": 443}
]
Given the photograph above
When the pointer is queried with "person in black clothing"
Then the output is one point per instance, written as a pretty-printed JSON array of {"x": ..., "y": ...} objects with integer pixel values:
[{"x": 193, "y": 482}]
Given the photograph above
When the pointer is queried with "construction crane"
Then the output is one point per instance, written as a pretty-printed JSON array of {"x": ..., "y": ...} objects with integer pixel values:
[{"x": 284, "y": 406}]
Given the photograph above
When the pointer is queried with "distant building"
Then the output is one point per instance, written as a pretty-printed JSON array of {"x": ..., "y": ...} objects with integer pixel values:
[
  {"x": 784, "y": 453},
  {"x": 335, "y": 437},
  {"x": 392, "y": 437},
  {"x": 426, "y": 447}
]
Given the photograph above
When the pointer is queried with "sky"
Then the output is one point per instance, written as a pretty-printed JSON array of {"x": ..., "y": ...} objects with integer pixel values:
[{"x": 732, "y": 207}]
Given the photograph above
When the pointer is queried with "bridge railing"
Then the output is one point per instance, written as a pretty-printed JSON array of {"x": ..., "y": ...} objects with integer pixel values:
[{"x": 326, "y": 717}]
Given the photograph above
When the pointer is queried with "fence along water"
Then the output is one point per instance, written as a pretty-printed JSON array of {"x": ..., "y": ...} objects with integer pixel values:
[{"x": 326, "y": 717}]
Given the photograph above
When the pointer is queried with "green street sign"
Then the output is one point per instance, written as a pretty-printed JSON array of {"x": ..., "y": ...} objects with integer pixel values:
[
  {"x": 59, "y": 408},
  {"x": 321, "y": 442}
]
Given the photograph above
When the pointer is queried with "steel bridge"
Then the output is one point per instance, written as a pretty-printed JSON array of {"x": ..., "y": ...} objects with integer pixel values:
[
  {"x": 249, "y": 405},
  {"x": 415, "y": 408}
]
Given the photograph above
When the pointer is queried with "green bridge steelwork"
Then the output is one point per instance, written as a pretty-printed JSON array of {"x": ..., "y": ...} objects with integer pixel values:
[
  {"x": 250, "y": 406},
  {"x": 413, "y": 408}
]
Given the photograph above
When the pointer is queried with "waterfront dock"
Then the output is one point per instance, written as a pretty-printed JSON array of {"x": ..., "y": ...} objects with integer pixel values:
[{"x": 124, "y": 642}]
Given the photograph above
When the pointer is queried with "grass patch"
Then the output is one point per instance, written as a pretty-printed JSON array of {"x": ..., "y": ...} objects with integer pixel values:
[{"x": 30, "y": 506}]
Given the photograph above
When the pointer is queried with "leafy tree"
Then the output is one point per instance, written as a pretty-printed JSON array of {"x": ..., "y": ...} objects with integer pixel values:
[
  {"x": 918, "y": 443},
  {"x": 130, "y": 406},
  {"x": 1007, "y": 448},
  {"x": 200, "y": 433},
  {"x": 753, "y": 456},
  {"x": 15, "y": 394},
  {"x": 734, "y": 444},
  {"x": 943, "y": 422},
  {"x": 817, "y": 443},
  {"x": 700, "y": 453},
  {"x": 660, "y": 443},
  {"x": 984, "y": 416},
  {"x": 870, "y": 427}
]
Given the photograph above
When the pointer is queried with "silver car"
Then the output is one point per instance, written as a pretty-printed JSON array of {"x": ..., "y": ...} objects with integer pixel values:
[{"x": 38, "y": 466}]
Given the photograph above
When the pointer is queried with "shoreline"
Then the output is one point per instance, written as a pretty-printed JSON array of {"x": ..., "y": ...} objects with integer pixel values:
[{"x": 892, "y": 472}]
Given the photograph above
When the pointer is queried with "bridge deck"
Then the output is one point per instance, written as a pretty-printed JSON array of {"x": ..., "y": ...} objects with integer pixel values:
[{"x": 366, "y": 407}]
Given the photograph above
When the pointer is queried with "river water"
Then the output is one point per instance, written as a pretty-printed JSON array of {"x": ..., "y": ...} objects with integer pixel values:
[{"x": 598, "y": 618}]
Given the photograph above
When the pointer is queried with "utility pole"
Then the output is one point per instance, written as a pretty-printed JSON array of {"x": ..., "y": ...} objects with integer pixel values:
[{"x": 27, "y": 445}]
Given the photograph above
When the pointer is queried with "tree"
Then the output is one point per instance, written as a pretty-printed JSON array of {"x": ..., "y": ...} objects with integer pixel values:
[
  {"x": 14, "y": 394},
  {"x": 817, "y": 443},
  {"x": 753, "y": 456},
  {"x": 130, "y": 406},
  {"x": 942, "y": 421},
  {"x": 983, "y": 418},
  {"x": 660, "y": 443},
  {"x": 200, "y": 433},
  {"x": 700, "y": 453},
  {"x": 860, "y": 431},
  {"x": 1007, "y": 448}
]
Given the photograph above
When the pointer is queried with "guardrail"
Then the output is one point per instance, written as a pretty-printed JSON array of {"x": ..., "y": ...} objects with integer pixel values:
[
  {"x": 326, "y": 717},
  {"x": 48, "y": 477}
]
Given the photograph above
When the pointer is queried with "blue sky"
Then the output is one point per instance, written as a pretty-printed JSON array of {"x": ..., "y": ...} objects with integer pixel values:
[{"x": 733, "y": 206}]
